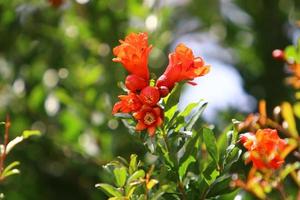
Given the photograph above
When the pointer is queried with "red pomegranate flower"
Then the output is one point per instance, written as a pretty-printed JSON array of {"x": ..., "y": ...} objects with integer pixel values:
[
  {"x": 133, "y": 54},
  {"x": 129, "y": 103},
  {"x": 148, "y": 118},
  {"x": 135, "y": 83},
  {"x": 182, "y": 66},
  {"x": 150, "y": 95},
  {"x": 264, "y": 148}
]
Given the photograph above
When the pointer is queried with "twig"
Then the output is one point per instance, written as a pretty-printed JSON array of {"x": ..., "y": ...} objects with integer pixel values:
[{"x": 6, "y": 140}]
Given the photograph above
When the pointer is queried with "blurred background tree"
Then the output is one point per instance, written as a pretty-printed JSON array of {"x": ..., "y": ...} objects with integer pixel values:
[{"x": 56, "y": 75}]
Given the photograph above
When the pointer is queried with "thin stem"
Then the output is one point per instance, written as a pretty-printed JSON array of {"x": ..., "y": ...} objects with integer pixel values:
[
  {"x": 6, "y": 140},
  {"x": 182, "y": 191}
]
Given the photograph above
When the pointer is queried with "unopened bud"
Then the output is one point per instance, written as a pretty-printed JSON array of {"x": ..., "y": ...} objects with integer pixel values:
[{"x": 134, "y": 83}]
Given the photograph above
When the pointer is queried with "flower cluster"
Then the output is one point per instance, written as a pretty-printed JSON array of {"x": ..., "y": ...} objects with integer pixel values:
[
  {"x": 265, "y": 148},
  {"x": 142, "y": 99}
]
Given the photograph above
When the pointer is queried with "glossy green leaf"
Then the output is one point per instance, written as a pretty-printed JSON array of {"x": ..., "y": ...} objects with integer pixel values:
[
  {"x": 132, "y": 163},
  {"x": 211, "y": 144},
  {"x": 109, "y": 190},
  {"x": 221, "y": 186},
  {"x": 195, "y": 117},
  {"x": 136, "y": 175},
  {"x": 173, "y": 98},
  {"x": 184, "y": 166},
  {"x": 120, "y": 176}
]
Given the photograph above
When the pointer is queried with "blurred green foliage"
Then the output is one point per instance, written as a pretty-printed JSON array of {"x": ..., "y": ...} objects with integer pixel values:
[{"x": 56, "y": 76}]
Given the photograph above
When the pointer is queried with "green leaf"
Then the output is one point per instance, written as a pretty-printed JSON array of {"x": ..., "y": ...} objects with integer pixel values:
[
  {"x": 292, "y": 53},
  {"x": 109, "y": 190},
  {"x": 173, "y": 98},
  {"x": 136, "y": 175},
  {"x": 151, "y": 184},
  {"x": 288, "y": 169},
  {"x": 296, "y": 108},
  {"x": 195, "y": 117},
  {"x": 180, "y": 119},
  {"x": 120, "y": 176},
  {"x": 118, "y": 198},
  {"x": 233, "y": 156},
  {"x": 8, "y": 171},
  {"x": 288, "y": 116},
  {"x": 221, "y": 186},
  {"x": 211, "y": 144},
  {"x": 28, "y": 133},
  {"x": 133, "y": 163},
  {"x": 184, "y": 166}
]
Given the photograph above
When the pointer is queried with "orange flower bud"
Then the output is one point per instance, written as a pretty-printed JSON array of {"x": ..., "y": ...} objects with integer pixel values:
[
  {"x": 134, "y": 83},
  {"x": 150, "y": 95}
]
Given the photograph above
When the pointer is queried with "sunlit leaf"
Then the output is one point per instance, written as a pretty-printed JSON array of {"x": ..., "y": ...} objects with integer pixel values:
[
  {"x": 120, "y": 176},
  {"x": 133, "y": 163},
  {"x": 109, "y": 190},
  {"x": 136, "y": 175},
  {"x": 288, "y": 116},
  {"x": 151, "y": 184},
  {"x": 28, "y": 133},
  {"x": 184, "y": 166},
  {"x": 8, "y": 171},
  {"x": 195, "y": 117}
]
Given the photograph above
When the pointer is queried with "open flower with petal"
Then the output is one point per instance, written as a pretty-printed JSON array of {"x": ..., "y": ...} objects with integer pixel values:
[
  {"x": 264, "y": 148},
  {"x": 128, "y": 103},
  {"x": 133, "y": 54},
  {"x": 182, "y": 66},
  {"x": 148, "y": 118}
]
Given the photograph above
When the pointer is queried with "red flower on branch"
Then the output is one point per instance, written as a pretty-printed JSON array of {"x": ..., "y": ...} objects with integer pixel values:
[
  {"x": 264, "y": 148},
  {"x": 133, "y": 54},
  {"x": 148, "y": 118},
  {"x": 129, "y": 103},
  {"x": 150, "y": 95},
  {"x": 182, "y": 66}
]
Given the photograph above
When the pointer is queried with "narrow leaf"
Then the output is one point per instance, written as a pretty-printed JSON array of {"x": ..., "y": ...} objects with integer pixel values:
[
  {"x": 288, "y": 116},
  {"x": 184, "y": 166},
  {"x": 211, "y": 144},
  {"x": 195, "y": 117}
]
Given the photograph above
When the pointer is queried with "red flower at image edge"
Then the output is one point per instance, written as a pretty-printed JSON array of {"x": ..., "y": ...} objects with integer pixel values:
[
  {"x": 182, "y": 66},
  {"x": 264, "y": 148},
  {"x": 148, "y": 118},
  {"x": 129, "y": 103},
  {"x": 133, "y": 54}
]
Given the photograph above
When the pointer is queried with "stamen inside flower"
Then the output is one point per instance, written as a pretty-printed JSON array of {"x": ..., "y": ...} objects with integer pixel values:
[{"x": 149, "y": 118}]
